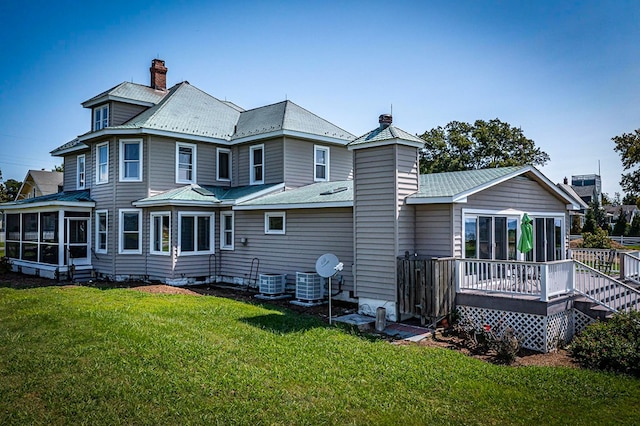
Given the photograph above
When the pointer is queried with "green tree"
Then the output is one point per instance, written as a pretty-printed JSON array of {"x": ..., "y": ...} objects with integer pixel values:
[
  {"x": 485, "y": 144},
  {"x": 620, "y": 227},
  {"x": 634, "y": 230},
  {"x": 628, "y": 146},
  {"x": 630, "y": 200},
  {"x": 59, "y": 168},
  {"x": 576, "y": 229},
  {"x": 595, "y": 218}
]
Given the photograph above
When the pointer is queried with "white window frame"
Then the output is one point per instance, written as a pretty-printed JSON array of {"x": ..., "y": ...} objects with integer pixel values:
[
  {"x": 106, "y": 231},
  {"x": 194, "y": 161},
  {"x": 224, "y": 231},
  {"x": 267, "y": 228},
  {"x": 228, "y": 152},
  {"x": 252, "y": 166},
  {"x": 124, "y": 142},
  {"x": 152, "y": 233},
  {"x": 81, "y": 173},
  {"x": 317, "y": 148},
  {"x": 121, "y": 249},
  {"x": 212, "y": 234},
  {"x": 100, "y": 177},
  {"x": 100, "y": 117}
]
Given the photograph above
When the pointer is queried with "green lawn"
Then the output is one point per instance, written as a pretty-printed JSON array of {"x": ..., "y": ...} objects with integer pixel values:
[
  {"x": 83, "y": 355},
  {"x": 1, "y": 249}
]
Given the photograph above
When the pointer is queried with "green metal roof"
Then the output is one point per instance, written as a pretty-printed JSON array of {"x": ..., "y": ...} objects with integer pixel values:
[
  {"x": 188, "y": 110},
  {"x": 321, "y": 194},
  {"x": 382, "y": 134},
  {"x": 286, "y": 116},
  {"x": 203, "y": 195},
  {"x": 128, "y": 91},
  {"x": 450, "y": 184},
  {"x": 59, "y": 198}
]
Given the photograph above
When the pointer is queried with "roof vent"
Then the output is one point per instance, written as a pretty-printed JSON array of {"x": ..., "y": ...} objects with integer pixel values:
[
  {"x": 385, "y": 120},
  {"x": 334, "y": 190}
]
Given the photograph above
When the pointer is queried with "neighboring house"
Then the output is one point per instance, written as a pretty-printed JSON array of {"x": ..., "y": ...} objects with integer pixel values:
[
  {"x": 576, "y": 215},
  {"x": 177, "y": 186},
  {"x": 613, "y": 212},
  {"x": 38, "y": 183},
  {"x": 588, "y": 187}
]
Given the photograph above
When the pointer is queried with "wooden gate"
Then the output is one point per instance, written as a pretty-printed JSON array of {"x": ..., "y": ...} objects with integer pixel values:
[{"x": 426, "y": 288}]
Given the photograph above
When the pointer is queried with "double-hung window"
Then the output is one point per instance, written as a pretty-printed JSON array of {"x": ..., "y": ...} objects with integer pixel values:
[
  {"x": 274, "y": 223},
  {"x": 131, "y": 160},
  {"x": 102, "y": 162},
  {"x": 160, "y": 232},
  {"x": 101, "y": 231},
  {"x": 80, "y": 172},
  {"x": 321, "y": 163},
  {"x": 223, "y": 164},
  {"x": 185, "y": 163},
  {"x": 130, "y": 231},
  {"x": 196, "y": 233},
  {"x": 226, "y": 231},
  {"x": 256, "y": 165},
  {"x": 100, "y": 117}
]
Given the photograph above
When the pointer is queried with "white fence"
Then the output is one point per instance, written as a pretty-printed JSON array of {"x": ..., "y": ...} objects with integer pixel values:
[{"x": 625, "y": 241}]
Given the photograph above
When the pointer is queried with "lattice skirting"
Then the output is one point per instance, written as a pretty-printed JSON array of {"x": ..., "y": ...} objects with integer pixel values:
[{"x": 537, "y": 332}]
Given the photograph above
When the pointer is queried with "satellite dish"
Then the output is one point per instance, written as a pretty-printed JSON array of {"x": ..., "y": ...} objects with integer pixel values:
[{"x": 326, "y": 265}]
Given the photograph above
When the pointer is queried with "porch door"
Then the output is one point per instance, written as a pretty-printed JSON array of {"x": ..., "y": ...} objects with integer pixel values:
[
  {"x": 548, "y": 239},
  {"x": 496, "y": 237},
  {"x": 77, "y": 238}
]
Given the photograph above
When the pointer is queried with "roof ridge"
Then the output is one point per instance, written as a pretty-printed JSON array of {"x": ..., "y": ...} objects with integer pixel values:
[
  {"x": 160, "y": 105},
  {"x": 317, "y": 116}
]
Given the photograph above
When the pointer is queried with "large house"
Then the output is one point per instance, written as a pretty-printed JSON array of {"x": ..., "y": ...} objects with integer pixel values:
[{"x": 177, "y": 186}]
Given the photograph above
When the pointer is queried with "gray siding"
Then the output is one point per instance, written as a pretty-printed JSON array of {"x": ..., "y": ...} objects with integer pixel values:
[
  {"x": 299, "y": 162},
  {"x": 162, "y": 164},
  {"x": 375, "y": 210},
  {"x": 310, "y": 233},
  {"x": 70, "y": 168},
  {"x": 407, "y": 184},
  {"x": 433, "y": 230},
  {"x": 273, "y": 162},
  {"x": 519, "y": 193},
  {"x": 120, "y": 112}
]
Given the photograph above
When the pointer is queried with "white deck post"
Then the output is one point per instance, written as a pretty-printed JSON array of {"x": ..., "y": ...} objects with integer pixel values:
[{"x": 543, "y": 283}]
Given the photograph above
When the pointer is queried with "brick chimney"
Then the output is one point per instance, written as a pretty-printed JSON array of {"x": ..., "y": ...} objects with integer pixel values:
[
  {"x": 385, "y": 120},
  {"x": 158, "y": 75}
]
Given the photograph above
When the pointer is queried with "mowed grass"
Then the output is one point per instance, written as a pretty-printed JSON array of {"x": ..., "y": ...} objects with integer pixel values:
[{"x": 73, "y": 355}]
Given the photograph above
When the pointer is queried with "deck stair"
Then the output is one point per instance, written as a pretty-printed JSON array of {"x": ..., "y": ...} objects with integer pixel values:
[{"x": 603, "y": 295}]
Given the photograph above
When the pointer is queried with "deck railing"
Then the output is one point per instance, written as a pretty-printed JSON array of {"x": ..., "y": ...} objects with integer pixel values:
[
  {"x": 604, "y": 260},
  {"x": 631, "y": 267},
  {"x": 605, "y": 290},
  {"x": 543, "y": 280}
]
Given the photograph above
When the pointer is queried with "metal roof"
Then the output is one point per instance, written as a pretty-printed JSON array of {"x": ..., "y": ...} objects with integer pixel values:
[
  {"x": 450, "y": 184},
  {"x": 75, "y": 198},
  {"x": 73, "y": 145},
  {"x": 383, "y": 134},
  {"x": 286, "y": 116},
  {"x": 190, "y": 111},
  {"x": 321, "y": 194},
  {"x": 126, "y": 91},
  {"x": 195, "y": 194}
]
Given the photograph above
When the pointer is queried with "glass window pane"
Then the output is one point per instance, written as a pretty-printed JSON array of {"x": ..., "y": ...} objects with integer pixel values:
[
  {"x": 132, "y": 151},
  {"x": 276, "y": 223},
  {"x": 223, "y": 165},
  {"x": 130, "y": 241},
  {"x": 204, "y": 240},
  {"x": 500, "y": 237},
  {"x": 30, "y": 227},
  {"x": 539, "y": 240},
  {"x": 130, "y": 222},
  {"x": 512, "y": 238},
  {"x": 13, "y": 227},
  {"x": 470, "y": 238},
  {"x": 49, "y": 254},
  {"x": 49, "y": 227},
  {"x": 30, "y": 252},
  {"x": 187, "y": 233},
  {"x": 12, "y": 250},
  {"x": 484, "y": 237}
]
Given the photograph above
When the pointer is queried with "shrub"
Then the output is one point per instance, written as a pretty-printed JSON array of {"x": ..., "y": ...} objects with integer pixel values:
[
  {"x": 596, "y": 239},
  {"x": 483, "y": 339},
  {"x": 613, "y": 345},
  {"x": 5, "y": 265}
]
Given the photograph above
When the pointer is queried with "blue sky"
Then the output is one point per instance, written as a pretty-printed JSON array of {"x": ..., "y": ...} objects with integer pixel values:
[{"x": 566, "y": 72}]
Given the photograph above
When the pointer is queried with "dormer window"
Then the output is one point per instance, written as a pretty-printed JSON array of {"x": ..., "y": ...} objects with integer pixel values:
[{"x": 100, "y": 117}]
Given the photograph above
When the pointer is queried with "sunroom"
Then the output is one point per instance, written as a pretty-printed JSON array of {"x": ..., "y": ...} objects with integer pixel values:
[{"x": 50, "y": 235}]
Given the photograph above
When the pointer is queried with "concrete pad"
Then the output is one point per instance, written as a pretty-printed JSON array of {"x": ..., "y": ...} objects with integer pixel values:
[
  {"x": 272, "y": 297},
  {"x": 361, "y": 322},
  {"x": 407, "y": 332}
]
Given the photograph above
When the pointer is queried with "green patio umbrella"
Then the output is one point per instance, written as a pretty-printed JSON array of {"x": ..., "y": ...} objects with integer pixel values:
[{"x": 526, "y": 236}]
